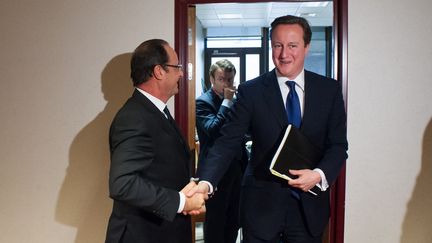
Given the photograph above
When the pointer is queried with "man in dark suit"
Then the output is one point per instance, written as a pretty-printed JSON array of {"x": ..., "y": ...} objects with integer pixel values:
[
  {"x": 272, "y": 210},
  {"x": 149, "y": 157},
  {"x": 221, "y": 223}
]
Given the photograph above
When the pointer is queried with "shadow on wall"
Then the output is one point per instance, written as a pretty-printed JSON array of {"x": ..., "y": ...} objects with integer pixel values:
[
  {"x": 83, "y": 201},
  {"x": 418, "y": 219}
]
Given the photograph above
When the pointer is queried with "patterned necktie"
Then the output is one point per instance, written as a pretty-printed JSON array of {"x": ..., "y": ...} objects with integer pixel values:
[{"x": 292, "y": 105}]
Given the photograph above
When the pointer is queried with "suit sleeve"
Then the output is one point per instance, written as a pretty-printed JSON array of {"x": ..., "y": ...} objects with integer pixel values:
[
  {"x": 336, "y": 143},
  {"x": 132, "y": 154},
  {"x": 207, "y": 121},
  {"x": 230, "y": 142}
]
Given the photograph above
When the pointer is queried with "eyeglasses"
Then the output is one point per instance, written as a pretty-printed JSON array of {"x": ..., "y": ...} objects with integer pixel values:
[{"x": 178, "y": 66}]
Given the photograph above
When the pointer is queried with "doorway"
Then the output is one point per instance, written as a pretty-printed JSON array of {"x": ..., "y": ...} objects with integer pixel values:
[{"x": 338, "y": 71}]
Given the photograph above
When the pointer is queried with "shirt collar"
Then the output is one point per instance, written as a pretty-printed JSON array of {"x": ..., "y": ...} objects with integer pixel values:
[
  {"x": 299, "y": 79},
  {"x": 157, "y": 102}
]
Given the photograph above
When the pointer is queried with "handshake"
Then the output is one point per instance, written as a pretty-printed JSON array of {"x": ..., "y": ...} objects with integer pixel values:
[{"x": 195, "y": 195}]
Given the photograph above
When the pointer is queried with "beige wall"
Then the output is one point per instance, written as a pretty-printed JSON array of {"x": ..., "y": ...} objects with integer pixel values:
[
  {"x": 64, "y": 73},
  {"x": 389, "y": 193}
]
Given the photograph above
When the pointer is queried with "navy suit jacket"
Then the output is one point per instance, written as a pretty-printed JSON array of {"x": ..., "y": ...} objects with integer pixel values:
[
  {"x": 260, "y": 110},
  {"x": 149, "y": 166},
  {"x": 210, "y": 117}
]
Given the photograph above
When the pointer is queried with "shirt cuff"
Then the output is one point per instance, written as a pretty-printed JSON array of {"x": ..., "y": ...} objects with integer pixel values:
[
  {"x": 228, "y": 103},
  {"x": 182, "y": 202},
  {"x": 324, "y": 184},
  {"x": 209, "y": 185}
]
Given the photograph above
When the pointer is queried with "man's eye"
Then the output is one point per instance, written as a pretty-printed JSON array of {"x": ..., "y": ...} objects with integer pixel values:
[{"x": 292, "y": 46}]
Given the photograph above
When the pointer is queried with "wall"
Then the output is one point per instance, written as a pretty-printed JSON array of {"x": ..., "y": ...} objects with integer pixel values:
[
  {"x": 64, "y": 73},
  {"x": 64, "y": 70},
  {"x": 390, "y": 122}
]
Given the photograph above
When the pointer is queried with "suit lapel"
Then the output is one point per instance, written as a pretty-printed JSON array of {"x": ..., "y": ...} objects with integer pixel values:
[
  {"x": 163, "y": 121},
  {"x": 273, "y": 98},
  {"x": 180, "y": 136},
  {"x": 309, "y": 99}
]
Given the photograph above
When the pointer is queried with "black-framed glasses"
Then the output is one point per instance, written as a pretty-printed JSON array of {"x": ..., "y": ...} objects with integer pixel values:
[{"x": 178, "y": 66}]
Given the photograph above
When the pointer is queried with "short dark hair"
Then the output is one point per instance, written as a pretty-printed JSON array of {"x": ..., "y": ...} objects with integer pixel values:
[
  {"x": 291, "y": 19},
  {"x": 145, "y": 57},
  {"x": 224, "y": 64}
]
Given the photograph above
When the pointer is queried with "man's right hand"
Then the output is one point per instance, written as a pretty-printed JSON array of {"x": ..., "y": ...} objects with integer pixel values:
[
  {"x": 229, "y": 92},
  {"x": 195, "y": 203},
  {"x": 202, "y": 188}
]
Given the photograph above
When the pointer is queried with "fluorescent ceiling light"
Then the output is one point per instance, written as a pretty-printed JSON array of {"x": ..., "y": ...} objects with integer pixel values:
[
  {"x": 229, "y": 16},
  {"x": 308, "y": 14},
  {"x": 315, "y": 4}
]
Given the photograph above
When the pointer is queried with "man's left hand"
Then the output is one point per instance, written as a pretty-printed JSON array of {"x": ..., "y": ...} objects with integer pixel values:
[{"x": 306, "y": 180}]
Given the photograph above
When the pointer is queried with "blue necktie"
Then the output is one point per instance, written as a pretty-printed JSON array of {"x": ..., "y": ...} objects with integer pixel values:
[{"x": 292, "y": 105}]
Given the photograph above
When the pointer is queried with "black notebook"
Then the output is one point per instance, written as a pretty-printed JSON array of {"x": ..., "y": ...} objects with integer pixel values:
[{"x": 295, "y": 152}]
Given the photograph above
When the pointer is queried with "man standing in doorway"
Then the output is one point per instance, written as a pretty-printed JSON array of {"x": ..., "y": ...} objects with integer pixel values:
[
  {"x": 273, "y": 210},
  {"x": 212, "y": 108}
]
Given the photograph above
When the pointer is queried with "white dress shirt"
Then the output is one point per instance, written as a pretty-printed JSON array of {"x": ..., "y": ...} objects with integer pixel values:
[{"x": 300, "y": 83}]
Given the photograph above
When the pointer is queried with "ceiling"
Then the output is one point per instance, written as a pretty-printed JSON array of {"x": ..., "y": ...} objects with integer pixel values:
[{"x": 262, "y": 14}]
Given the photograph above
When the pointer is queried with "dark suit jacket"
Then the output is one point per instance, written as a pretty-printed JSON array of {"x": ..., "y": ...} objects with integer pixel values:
[
  {"x": 149, "y": 165},
  {"x": 260, "y": 109},
  {"x": 210, "y": 117}
]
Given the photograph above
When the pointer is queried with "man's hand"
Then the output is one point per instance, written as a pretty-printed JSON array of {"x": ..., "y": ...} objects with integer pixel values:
[
  {"x": 189, "y": 186},
  {"x": 202, "y": 188},
  {"x": 194, "y": 204},
  {"x": 229, "y": 92},
  {"x": 306, "y": 180}
]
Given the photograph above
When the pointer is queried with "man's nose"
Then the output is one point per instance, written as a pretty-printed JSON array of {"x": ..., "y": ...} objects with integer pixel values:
[{"x": 284, "y": 51}]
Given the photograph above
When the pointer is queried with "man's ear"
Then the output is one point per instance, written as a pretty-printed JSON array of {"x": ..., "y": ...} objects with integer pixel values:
[
  {"x": 158, "y": 72},
  {"x": 307, "y": 49}
]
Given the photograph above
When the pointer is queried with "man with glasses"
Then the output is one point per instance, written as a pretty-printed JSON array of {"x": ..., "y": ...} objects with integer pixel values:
[{"x": 150, "y": 163}]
